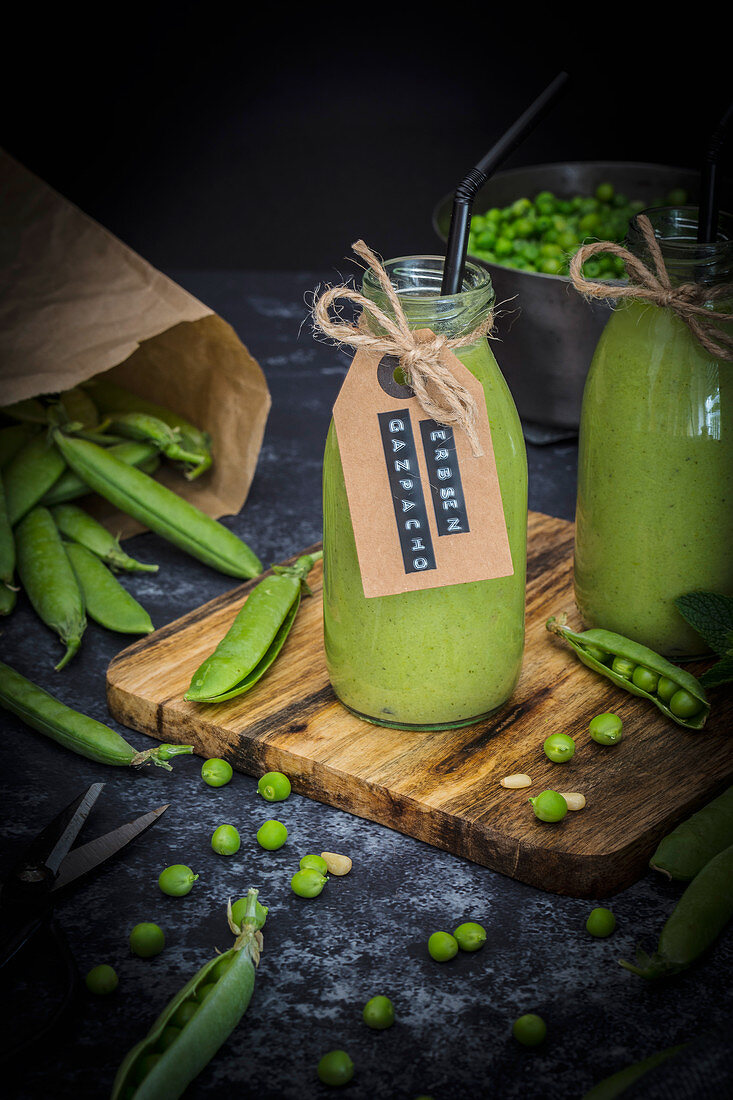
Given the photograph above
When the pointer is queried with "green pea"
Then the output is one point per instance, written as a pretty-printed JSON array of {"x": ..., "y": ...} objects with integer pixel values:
[
  {"x": 601, "y": 922},
  {"x": 684, "y": 705},
  {"x": 645, "y": 679},
  {"x": 606, "y": 729},
  {"x": 168, "y": 1037},
  {"x": 146, "y": 940},
  {"x": 623, "y": 667},
  {"x": 442, "y": 946},
  {"x": 272, "y": 835},
  {"x": 221, "y": 968},
  {"x": 101, "y": 980},
  {"x": 335, "y": 1068},
  {"x": 596, "y": 653},
  {"x": 274, "y": 786},
  {"x": 529, "y": 1030},
  {"x": 470, "y": 936},
  {"x": 205, "y": 991},
  {"x": 314, "y": 863},
  {"x": 216, "y": 772},
  {"x": 559, "y": 747},
  {"x": 604, "y": 192},
  {"x": 666, "y": 688},
  {"x": 549, "y": 806},
  {"x": 225, "y": 840},
  {"x": 378, "y": 1013},
  {"x": 239, "y": 910},
  {"x": 308, "y": 883},
  {"x": 176, "y": 880},
  {"x": 184, "y": 1013},
  {"x": 144, "y": 1066}
]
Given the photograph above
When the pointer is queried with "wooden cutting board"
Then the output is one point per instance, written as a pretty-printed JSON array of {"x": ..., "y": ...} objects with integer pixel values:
[{"x": 443, "y": 787}]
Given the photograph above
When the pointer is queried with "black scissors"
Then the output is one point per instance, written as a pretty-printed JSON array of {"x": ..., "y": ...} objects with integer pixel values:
[{"x": 47, "y": 866}]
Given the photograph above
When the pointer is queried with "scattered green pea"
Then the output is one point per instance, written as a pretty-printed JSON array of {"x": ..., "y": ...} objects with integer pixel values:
[
  {"x": 470, "y": 936},
  {"x": 102, "y": 980},
  {"x": 225, "y": 840},
  {"x": 272, "y": 835},
  {"x": 239, "y": 910},
  {"x": 378, "y": 1013},
  {"x": 559, "y": 747},
  {"x": 442, "y": 946},
  {"x": 176, "y": 880},
  {"x": 335, "y": 1068},
  {"x": 645, "y": 679},
  {"x": 146, "y": 940},
  {"x": 601, "y": 922},
  {"x": 529, "y": 1030},
  {"x": 549, "y": 806},
  {"x": 606, "y": 729},
  {"x": 308, "y": 883},
  {"x": 274, "y": 786},
  {"x": 314, "y": 863},
  {"x": 216, "y": 772}
]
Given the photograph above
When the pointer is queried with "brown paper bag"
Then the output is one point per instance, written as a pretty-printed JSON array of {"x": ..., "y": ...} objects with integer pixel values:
[{"x": 76, "y": 302}]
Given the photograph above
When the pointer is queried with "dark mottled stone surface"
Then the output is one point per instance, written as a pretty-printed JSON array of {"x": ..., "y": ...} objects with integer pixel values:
[{"x": 367, "y": 933}]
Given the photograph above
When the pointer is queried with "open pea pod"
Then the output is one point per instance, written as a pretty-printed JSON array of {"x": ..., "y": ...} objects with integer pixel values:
[
  {"x": 256, "y": 636},
  {"x": 597, "y": 648},
  {"x": 196, "y": 1022},
  {"x": 169, "y": 440}
]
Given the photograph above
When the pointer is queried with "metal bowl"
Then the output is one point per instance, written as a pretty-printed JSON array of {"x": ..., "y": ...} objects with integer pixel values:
[{"x": 548, "y": 332}]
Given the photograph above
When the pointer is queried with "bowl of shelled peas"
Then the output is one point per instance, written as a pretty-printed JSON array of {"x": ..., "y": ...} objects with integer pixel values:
[{"x": 526, "y": 226}]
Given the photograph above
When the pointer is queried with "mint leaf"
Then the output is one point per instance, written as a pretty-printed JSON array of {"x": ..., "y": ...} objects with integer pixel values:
[
  {"x": 721, "y": 673},
  {"x": 711, "y": 615}
]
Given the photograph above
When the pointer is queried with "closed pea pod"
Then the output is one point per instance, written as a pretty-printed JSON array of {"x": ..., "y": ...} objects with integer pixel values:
[
  {"x": 7, "y": 558},
  {"x": 12, "y": 439},
  {"x": 618, "y": 658},
  {"x": 49, "y": 580},
  {"x": 617, "y": 1084},
  {"x": 70, "y": 486},
  {"x": 684, "y": 852},
  {"x": 168, "y": 440},
  {"x": 159, "y": 1068},
  {"x": 256, "y": 636},
  {"x": 78, "y": 406},
  {"x": 105, "y": 600},
  {"x": 697, "y": 920},
  {"x": 79, "y": 526},
  {"x": 158, "y": 508},
  {"x": 75, "y": 731},
  {"x": 30, "y": 474}
]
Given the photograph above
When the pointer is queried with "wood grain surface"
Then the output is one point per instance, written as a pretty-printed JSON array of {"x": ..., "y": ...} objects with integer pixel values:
[{"x": 443, "y": 786}]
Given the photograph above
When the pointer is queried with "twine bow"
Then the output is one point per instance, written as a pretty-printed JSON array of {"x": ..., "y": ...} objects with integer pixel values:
[
  {"x": 687, "y": 300},
  {"x": 436, "y": 388}
]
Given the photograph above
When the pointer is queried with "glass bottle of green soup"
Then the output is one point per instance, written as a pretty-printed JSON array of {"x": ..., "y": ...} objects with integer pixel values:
[
  {"x": 655, "y": 476},
  {"x": 445, "y": 656}
]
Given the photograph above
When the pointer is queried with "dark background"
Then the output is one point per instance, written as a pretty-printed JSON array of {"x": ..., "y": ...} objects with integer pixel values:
[{"x": 209, "y": 136}]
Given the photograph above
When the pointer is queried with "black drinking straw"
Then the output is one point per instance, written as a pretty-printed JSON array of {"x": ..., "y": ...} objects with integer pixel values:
[
  {"x": 465, "y": 193},
  {"x": 707, "y": 222}
]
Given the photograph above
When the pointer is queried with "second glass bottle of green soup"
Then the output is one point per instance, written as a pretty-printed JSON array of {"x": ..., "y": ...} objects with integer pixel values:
[{"x": 444, "y": 656}]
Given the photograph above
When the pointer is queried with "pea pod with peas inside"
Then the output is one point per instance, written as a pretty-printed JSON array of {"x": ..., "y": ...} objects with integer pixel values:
[
  {"x": 640, "y": 671},
  {"x": 168, "y": 440},
  {"x": 160, "y": 509},
  {"x": 73, "y": 730},
  {"x": 76, "y": 524},
  {"x": 196, "y": 1022},
  {"x": 256, "y": 636},
  {"x": 7, "y": 558},
  {"x": 697, "y": 920}
]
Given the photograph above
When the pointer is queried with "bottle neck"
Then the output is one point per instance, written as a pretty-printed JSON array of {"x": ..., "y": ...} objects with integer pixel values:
[
  {"x": 685, "y": 259},
  {"x": 417, "y": 281}
]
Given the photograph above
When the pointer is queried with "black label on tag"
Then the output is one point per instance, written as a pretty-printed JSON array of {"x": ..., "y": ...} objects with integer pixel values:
[
  {"x": 405, "y": 484},
  {"x": 444, "y": 475}
]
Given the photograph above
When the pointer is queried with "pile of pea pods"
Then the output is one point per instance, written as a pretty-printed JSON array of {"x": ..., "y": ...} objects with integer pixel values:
[{"x": 104, "y": 440}]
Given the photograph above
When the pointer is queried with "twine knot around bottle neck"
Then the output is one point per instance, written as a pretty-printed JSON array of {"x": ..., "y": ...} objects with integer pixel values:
[
  {"x": 690, "y": 301},
  {"x": 421, "y": 354}
]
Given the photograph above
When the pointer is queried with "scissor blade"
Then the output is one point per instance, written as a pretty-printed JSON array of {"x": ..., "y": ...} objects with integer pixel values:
[
  {"x": 88, "y": 856},
  {"x": 71, "y": 829}
]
